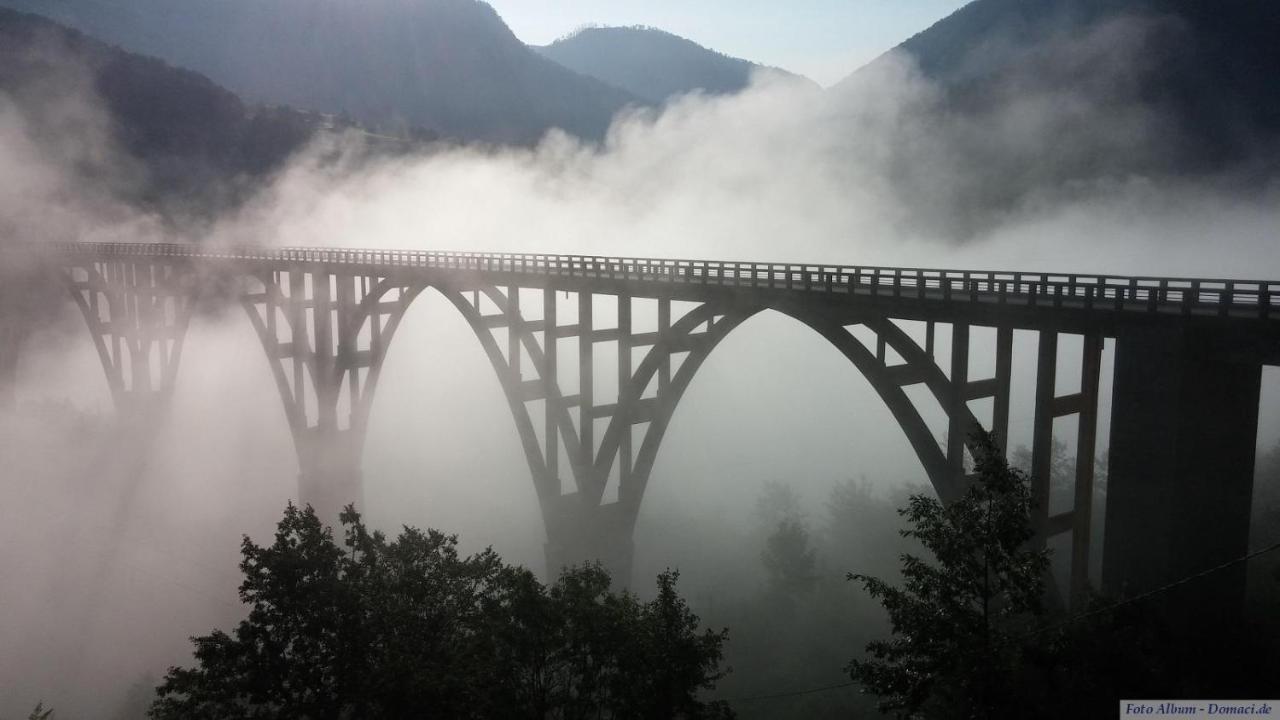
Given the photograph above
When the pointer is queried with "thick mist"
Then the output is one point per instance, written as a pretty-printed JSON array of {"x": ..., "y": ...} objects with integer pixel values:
[{"x": 117, "y": 545}]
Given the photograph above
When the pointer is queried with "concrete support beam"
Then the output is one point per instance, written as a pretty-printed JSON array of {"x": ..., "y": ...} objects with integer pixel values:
[
  {"x": 1180, "y": 482},
  {"x": 329, "y": 475},
  {"x": 578, "y": 531},
  {"x": 13, "y": 335}
]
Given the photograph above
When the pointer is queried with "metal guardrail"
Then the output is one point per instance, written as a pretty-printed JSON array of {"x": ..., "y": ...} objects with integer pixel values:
[{"x": 1235, "y": 298}]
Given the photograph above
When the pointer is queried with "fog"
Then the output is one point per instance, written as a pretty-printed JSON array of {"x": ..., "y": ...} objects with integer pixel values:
[{"x": 115, "y": 547}]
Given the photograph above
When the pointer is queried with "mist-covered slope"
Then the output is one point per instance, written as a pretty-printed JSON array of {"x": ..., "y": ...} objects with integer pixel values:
[
  {"x": 1202, "y": 73},
  {"x": 148, "y": 132},
  {"x": 450, "y": 65},
  {"x": 651, "y": 63}
]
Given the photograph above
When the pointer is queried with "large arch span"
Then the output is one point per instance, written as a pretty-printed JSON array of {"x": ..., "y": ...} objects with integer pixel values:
[{"x": 326, "y": 319}]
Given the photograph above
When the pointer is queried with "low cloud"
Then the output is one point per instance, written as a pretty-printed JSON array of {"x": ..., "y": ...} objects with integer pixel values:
[{"x": 875, "y": 172}]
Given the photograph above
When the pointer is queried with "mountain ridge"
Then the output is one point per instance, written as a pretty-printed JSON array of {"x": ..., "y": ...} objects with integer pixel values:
[
  {"x": 187, "y": 144},
  {"x": 1205, "y": 71},
  {"x": 652, "y": 63},
  {"x": 451, "y": 65}
]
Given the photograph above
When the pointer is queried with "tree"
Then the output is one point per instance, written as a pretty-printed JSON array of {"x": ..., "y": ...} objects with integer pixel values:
[
  {"x": 410, "y": 628},
  {"x": 789, "y": 558},
  {"x": 778, "y": 501},
  {"x": 958, "y": 620},
  {"x": 666, "y": 661},
  {"x": 861, "y": 526},
  {"x": 578, "y": 650}
]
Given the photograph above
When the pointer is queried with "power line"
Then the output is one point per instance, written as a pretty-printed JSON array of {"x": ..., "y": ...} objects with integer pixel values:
[
  {"x": 1162, "y": 589},
  {"x": 1074, "y": 618},
  {"x": 793, "y": 693}
]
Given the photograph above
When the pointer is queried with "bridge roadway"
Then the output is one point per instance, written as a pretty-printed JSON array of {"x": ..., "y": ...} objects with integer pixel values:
[
  {"x": 692, "y": 279},
  {"x": 1188, "y": 361}
]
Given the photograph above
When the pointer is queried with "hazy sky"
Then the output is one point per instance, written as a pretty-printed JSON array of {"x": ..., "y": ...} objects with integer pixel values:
[{"x": 823, "y": 39}]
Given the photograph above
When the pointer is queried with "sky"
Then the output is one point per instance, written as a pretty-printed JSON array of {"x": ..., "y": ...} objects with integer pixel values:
[{"x": 824, "y": 40}]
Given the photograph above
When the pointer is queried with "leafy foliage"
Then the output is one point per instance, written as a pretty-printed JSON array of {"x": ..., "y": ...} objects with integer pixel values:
[
  {"x": 380, "y": 628},
  {"x": 789, "y": 558},
  {"x": 958, "y": 620}
]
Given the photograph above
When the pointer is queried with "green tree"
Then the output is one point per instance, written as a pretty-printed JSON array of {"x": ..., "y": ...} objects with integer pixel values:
[
  {"x": 861, "y": 526},
  {"x": 410, "y": 628},
  {"x": 778, "y": 501},
  {"x": 789, "y": 558},
  {"x": 959, "y": 618}
]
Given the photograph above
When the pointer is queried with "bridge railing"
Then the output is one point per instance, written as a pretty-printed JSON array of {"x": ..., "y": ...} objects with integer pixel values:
[{"x": 1149, "y": 294}]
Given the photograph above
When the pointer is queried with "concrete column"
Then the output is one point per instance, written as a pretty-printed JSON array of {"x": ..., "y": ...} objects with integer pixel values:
[
  {"x": 578, "y": 532},
  {"x": 329, "y": 474},
  {"x": 11, "y": 340},
  {"x": 1180, "y": 484}
]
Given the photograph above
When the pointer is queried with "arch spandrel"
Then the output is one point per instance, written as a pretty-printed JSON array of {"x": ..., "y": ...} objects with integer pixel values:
[
  {"x": 137, "y": 313},
  {"x": 314, "y": 338}
]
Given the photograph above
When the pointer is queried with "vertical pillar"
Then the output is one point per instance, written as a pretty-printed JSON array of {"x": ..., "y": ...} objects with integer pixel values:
[
  {"x": 664, "y": 330},
  {"x": 956, "y": 427},
  {"x": 579, "y": 531},
  {"x": 1183, "y": 428},
  {"x": 13, "y": 334},
  {"x": 625, "y": 489},
  {"x": 1004, "y": 380},
  {"x": 514, "y": 331},
  {"x": 586, "y": 385},
  {"x": 329, "y": 475},
  {"x": 1086, "y": 448},
  {"x": 551, "y": 379},
  {"x": 1042, "y": 431}
]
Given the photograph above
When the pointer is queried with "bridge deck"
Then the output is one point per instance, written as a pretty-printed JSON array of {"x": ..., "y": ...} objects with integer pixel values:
[{"x": 1194, "y": 297}]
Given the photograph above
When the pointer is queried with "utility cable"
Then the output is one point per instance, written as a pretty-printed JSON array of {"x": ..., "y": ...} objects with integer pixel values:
[
  {"x": 1157, "y": 591},
  {"x": 793, "y": 693},
  {"x": 1074, "y": 618}
]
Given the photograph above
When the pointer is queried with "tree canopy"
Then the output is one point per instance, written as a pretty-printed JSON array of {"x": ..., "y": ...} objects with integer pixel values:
[
  {"x": 378, "y": 628},
  {"x": 959, "y": 618}
]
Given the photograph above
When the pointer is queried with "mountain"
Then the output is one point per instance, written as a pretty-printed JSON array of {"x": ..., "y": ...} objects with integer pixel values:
[
  {"x": 1203, "y": 74},
  {"x": 185, "y": 142},
  {"x": 450, "y": 65},
  {"x": 651, "y": 63}
]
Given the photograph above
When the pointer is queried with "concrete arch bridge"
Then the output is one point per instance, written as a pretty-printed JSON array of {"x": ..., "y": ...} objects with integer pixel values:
[{"x": 1189, "y": 355}]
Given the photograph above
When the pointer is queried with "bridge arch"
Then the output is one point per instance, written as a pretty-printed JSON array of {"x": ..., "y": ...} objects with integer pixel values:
[
  {"x": 885, "y": 379},
  {"x": 582, "y": 525},
  {"x": 882, "y": 377},
  {"x": 326, "y": 336}
]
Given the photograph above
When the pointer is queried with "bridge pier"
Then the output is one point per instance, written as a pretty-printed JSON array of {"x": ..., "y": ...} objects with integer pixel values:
[
  {"x": 329, "y": 471},
  {"x": 325, "y": 334},
  {"x": 13, "y": 335},
  {"x": 579, "y": 531},
  {"x": 1180, "y": 483}
]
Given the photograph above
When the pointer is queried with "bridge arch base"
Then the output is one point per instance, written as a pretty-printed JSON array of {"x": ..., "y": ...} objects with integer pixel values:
[{"x": 325, "y": 333}]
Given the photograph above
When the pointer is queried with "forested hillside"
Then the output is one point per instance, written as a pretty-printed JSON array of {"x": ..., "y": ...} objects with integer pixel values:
[
  {"x": 188, "y": 144},
  {"x": 1202, "y": 74},
  {"x": 450, "y": 65}
]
